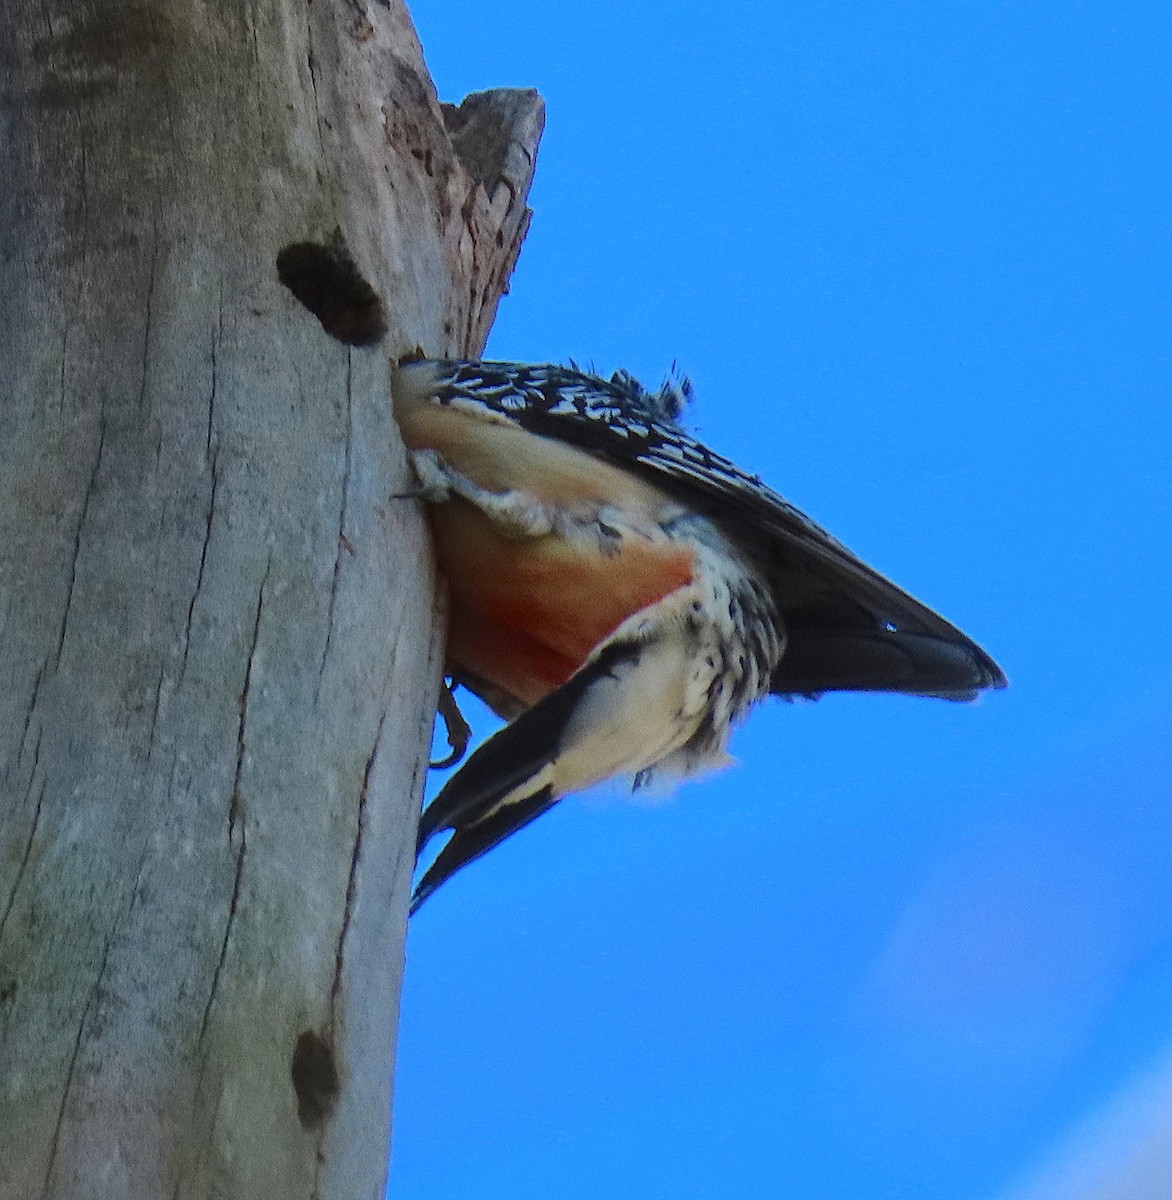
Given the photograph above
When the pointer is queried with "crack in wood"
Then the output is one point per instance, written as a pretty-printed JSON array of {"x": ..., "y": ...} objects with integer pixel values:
[
  {"x": 203, "y": 560},
  {"x": 90, "y": 1005},
  {"x": 146, "y": 335},
  {"x": 36, "y": 762},
  {"x": 235, "y": 801},
  {"x": 28, "y": 716},
  {"x": 155, "y": 711},
  {"x": 321, "y": 141},
  {"x": 91, "y": 1002},
  {"x": 352, "y": 878},
  {"x": 217, "y": 337},
  {"x": 343, "y": 541},
  {"x": 85, "y": 508},
  {"x": 233, "y": 906},
  {"x": 235, "y": 817},
  {"x": 28, "y": 849}
]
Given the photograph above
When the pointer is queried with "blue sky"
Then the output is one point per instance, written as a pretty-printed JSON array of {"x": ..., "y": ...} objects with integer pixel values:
[{"x": 916, "y": 258}]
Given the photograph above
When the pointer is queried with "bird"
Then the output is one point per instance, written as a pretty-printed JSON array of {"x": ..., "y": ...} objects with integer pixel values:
[{"x": 621, "y": 595}]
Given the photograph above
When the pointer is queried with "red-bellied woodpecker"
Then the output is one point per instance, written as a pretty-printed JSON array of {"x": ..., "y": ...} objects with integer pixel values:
[{"x": 622, "y": 595}]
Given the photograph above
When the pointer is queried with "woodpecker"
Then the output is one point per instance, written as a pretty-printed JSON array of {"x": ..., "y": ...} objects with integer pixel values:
[{"x": 622, "y": 595}]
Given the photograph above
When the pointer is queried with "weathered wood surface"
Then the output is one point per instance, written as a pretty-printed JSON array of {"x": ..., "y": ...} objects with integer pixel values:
[{"x": 218, "y": 657}]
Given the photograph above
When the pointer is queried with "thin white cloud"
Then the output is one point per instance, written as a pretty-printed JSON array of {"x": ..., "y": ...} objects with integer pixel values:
[{"x": 1121, "y": 1152}]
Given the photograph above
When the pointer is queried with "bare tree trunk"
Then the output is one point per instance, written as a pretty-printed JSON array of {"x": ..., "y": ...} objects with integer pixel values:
[{"x": 218, "y": 660}]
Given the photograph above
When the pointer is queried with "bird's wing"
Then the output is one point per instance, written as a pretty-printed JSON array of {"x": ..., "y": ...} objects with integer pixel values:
[{"x": 849, "y": 627}]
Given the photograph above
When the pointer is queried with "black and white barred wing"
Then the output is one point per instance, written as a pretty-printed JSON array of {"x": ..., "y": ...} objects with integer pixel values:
[{"x": 849, "y": 628}]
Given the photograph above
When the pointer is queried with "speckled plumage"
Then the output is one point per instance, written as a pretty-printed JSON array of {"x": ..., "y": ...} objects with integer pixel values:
[{"x": 626, "y": 594}]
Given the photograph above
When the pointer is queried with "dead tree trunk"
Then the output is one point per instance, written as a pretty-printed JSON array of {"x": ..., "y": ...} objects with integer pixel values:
[{"x": 218, "y": 660}]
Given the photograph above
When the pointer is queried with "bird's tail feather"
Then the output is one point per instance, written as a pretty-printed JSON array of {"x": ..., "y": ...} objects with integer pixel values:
[{"x": 504, "y": 784}]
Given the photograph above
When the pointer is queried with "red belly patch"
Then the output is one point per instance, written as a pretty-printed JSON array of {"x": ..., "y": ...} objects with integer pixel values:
[{"x": 526, "y": 613}]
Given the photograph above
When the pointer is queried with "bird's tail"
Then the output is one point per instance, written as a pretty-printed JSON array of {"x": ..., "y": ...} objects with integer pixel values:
[
  {"x": 638, "y": 702},
  {"x": 509, "y": 781}
]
